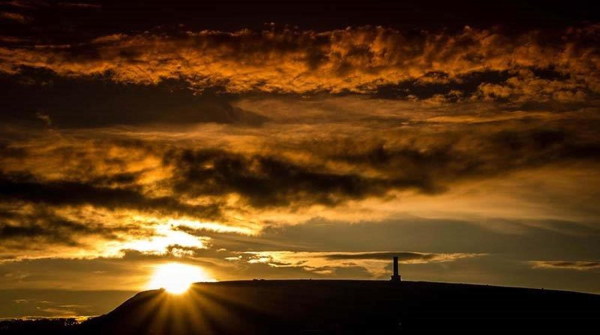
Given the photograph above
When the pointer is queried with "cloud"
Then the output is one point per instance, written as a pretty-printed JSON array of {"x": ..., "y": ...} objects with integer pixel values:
[
  {"x": 406, "y": 257},
  {"x": 108, "y": 103},
  {"x": 292, "y": 153},
  {"x": 566, "y": 265},
  {"x": 21, "y": 4},
  {"x": 266, "y": 181},
  {"x": 352, "y": 60},
  {"x": 288, "y": 153},
  {"x": 329, "y": 263},
  {"x": 79, "y": 5},
  {"x": 22, "y": 19},
  {"x": 340, "y": 171},
  {"x": 524, "y": 85},
  {"x": 340, "y": 158},
  {"x": 28, "y": 4},
  {"x": 45, "y": 225},
  {"x": 26, "y": 189}
]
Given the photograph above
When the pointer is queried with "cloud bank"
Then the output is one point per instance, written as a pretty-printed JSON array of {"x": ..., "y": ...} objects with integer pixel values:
[
  {"x": 558, "y": 66},
  {"x": 288, "y": 153}
]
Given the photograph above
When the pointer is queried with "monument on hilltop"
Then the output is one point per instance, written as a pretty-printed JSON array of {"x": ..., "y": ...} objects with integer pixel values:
[{"x": 396, "y": 276}]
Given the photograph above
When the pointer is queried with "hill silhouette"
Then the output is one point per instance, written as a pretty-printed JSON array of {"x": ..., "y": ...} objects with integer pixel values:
[{"x": 347, "y": 307}]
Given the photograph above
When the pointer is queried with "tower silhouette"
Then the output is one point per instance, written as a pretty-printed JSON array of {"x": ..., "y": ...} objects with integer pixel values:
[{"x": 396, "y": 276}]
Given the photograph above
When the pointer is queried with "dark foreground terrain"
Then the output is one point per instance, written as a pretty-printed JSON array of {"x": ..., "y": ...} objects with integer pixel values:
[{"x": 345, "y": 307}]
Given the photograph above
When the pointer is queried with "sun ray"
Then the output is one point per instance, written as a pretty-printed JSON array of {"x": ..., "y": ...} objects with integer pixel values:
[{"x": 176, "y": 278}]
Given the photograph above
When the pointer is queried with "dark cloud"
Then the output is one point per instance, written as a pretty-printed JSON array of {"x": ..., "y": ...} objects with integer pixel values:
[
  {"x": 415, "y": 159},
  {"x": 441, "y": 158},
  {"x": 50, "y": 230},
  {"x": 10, "y": 152},
  {"x": 99, "y": 102},
  {"x": 275, "y": 181},
  {"x": 266, "y": 181},
  {"x": 67, "y": 193},
  {"x": 43, "y": 227},
  {"x": 57, "y": 22}
]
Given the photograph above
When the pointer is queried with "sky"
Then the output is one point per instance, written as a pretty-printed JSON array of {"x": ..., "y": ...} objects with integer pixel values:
[{"x": 284, "y": 140}]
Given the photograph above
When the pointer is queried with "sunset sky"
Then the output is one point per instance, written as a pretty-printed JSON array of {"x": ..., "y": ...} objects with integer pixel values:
[{"x": 298, "y": 140}]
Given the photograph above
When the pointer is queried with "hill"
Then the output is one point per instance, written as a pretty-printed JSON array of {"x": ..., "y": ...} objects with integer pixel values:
[
  {"x": 335, "y": 307},
  {"x": 348, "y": 307}
]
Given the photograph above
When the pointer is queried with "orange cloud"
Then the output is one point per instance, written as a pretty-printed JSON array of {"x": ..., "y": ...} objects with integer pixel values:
[{"x": 355, "y": 59}]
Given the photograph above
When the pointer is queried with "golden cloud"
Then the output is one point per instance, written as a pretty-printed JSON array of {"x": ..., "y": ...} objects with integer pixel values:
[
  {"x": 355, "y": 59},
  {"x": 566, "y": 265}
]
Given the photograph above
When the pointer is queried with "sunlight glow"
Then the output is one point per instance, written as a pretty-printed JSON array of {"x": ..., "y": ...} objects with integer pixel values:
[
  {"x": 176, "y": 278},
  {"x": 164, "y": 237},
  {"x": 211, "y": 226}
]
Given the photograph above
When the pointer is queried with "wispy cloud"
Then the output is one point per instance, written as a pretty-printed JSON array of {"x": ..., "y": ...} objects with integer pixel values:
[
  {"x": 79, "y": 5},
  {"x": 15, "y": 17},
  {"x": 566, "y": 265},
  {"x": 324, "y": 263}
]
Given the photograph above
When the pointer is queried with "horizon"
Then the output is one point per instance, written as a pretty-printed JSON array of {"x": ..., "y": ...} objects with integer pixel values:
[{"x": 149, "y": 144}]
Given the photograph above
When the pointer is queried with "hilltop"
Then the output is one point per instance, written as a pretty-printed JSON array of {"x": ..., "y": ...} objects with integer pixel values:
[
  {"x": 336, "y": 307},
  {"x": 347, "y": 307}
]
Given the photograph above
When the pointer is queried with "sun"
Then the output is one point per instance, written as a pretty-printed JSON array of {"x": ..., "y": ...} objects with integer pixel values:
[{"x": 176, "y": 278}]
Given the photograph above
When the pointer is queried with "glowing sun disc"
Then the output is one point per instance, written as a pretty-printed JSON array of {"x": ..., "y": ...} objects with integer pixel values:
[{"x": 176, "y": 278}]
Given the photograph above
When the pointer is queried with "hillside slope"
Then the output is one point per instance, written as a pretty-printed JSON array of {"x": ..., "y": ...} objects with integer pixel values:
[{"x": 348, "y": 307}]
